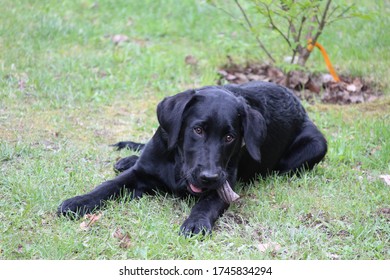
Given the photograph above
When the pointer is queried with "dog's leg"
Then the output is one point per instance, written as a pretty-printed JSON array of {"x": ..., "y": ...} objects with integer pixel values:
[
  {"x": 203, "y": 215},
  {"x": 127, "y": 181},
  {"x": 307, "y": 149},
  {"x": 125, "y": 163}
]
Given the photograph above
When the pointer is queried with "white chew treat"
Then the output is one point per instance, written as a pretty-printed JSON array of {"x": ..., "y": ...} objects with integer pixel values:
[{"x": 227, "y": 194}]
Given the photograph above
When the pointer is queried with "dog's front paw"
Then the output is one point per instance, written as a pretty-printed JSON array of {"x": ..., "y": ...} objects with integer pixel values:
[
  {"x": 76, "y": 206},
  {"x": 193, "y": 226}
]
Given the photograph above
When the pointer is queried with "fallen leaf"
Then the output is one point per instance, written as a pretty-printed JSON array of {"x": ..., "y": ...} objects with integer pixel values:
[
  {"x": 311, "y": 85},
  {"x": 270, "y": 246},
  {"x": 22, "y": 85},
  {"x": 351, "y": 88},
  {"x": 254, "y": 77},
  {"x": 119, "y": 38},
  {"x": 386, "y": 178},
  {"x": 358, "y": 84},
  {"x": 20, "y": 248},
  {"x": 230, "y": 77},
  {"x": 124, "y": 239},
  {"x": 223, "y": 73},
  {"x": 295, "y": 80},
  {"x": 191, "y": 60},
  {"x": 242, "y": 78},
  {"x": 306, "y": 217},
  {"x": 333, "y": 256},
  {"x": 92, "y": 218},
  {"x": 356, "y": 99}
]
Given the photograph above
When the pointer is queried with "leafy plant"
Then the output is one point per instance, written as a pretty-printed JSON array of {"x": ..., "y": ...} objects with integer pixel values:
[{"x": 297, "y": 23}]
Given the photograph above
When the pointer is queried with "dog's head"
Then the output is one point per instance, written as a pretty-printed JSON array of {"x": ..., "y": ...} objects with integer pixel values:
[{"x": 208, "y": 127}]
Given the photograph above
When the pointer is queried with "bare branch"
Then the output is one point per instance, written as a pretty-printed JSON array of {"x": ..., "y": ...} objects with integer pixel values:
[
  {"x": 275, "y": 27},
  {"x": 346, "y": 10},
  {"x": 333, "y": 11},
  {"x": 229, "y": 14},
  {"x": 303, "y": 20},
  {"x": 251, "y": 28},
  {"x": 322, "y": 22},
  {"x": 341, "y": 15},
  {"x": 244, "y": 14},
  {"x": 337, "y": 19},
  {"x": 222, "y": 9},
  {"x": 290, "y": 29},
  {"x": 309, "y": 33},
  {"x": 317, "y": 19}
]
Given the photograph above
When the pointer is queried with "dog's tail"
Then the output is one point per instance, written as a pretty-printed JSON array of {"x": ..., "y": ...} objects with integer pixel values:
[{"x": 129, "y": 145}]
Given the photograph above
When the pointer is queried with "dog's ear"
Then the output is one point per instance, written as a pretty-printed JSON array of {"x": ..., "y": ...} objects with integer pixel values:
[
  {"x": 255, "y": 131},
  {"x": 170, "y": 114}
]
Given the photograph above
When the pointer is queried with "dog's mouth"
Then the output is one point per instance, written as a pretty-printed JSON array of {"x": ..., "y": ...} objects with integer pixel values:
[
  {"x": 195, "y": 189},
  {"x": 225, "y": 192}
]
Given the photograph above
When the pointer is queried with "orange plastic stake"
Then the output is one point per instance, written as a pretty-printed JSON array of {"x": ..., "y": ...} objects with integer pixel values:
[{"x": 326, "y": 58}]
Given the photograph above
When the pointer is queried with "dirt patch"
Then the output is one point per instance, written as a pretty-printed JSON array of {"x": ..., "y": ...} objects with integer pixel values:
[
  {"x": 385, "y": 213},
  {"x": 312, "y": 87}
]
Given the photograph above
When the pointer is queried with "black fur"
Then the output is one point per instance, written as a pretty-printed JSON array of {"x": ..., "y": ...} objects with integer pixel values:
[{"x": 207, "y": 136}]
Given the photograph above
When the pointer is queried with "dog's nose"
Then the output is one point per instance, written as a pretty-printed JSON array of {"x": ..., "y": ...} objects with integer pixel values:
[{"x": 208, "y": 176}]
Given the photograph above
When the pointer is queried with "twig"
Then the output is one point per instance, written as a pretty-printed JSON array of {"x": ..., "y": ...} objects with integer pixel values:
[
  {"x": 303, "y": 20},
  {"x": 333, "y": 11},
  {"x": 322, "y": 22},
  {"x": 341, "y": 15},
  {"x": 251, "y": 28},
  {"x": 298, "y": 38},
  {"x": 275, "y": 27},
  {"x": 229, "y": 14}
]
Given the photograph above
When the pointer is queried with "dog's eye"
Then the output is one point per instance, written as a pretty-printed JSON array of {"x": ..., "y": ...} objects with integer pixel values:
[
  {"x": 198, "y": 130},
  {"x": 229, "y": 138}
]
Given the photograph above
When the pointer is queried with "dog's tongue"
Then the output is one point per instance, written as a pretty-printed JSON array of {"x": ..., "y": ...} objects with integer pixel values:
[
  {"x": 227, "y": 194},
  {"x": 195, "y": 189}
]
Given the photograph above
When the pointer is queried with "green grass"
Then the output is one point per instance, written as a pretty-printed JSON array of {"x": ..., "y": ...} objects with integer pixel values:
[{"x": 66, "y": 92}]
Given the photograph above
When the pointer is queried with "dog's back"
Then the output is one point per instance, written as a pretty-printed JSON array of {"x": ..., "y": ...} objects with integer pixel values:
[
  {"x": 273, "y": 101},
  {"x": 281, "y": 109},
  {"x": 286, "y": 119}
]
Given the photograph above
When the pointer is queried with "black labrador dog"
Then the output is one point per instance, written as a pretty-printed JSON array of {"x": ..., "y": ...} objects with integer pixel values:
[{"x": 207, "y": 139}]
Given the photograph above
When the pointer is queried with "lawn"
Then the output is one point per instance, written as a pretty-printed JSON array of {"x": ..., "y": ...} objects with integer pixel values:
[{"x": 68, "y": 90}]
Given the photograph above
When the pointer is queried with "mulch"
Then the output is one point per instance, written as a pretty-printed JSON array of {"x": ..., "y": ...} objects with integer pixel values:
[{"x": 312, "y": 87}]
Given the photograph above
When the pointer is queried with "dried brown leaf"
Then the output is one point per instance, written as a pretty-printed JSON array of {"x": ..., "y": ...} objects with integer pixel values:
[
  {"x": 20, "y": 248},
  {"x": 358, "y": 84},
  {"x": 90, "y": 220},
  {"x": 356, "y": 99},
  {"x": 124, "y": 239},
  {"x": 350, "y": 90},
  {"x": 191, "y": 60},
  {"x": 230, "y": 77},
  {"x": 254, "y": 77}
]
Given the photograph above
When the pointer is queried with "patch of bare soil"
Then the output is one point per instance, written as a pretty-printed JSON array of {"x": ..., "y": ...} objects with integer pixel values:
[
  {"x": 385, "y": 213},
  {"x": 307, "y": 86}
]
